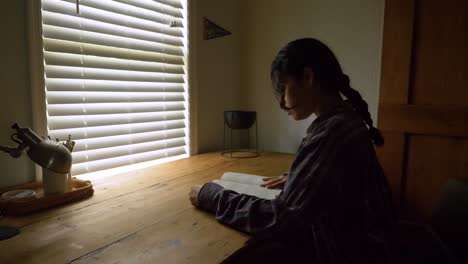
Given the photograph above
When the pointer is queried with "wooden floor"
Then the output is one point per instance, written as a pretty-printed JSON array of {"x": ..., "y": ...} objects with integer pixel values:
[{"x": 140, "y": 217}]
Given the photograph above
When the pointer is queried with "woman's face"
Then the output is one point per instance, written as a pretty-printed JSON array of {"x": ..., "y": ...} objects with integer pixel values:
[{"x": 300, "y": 95}]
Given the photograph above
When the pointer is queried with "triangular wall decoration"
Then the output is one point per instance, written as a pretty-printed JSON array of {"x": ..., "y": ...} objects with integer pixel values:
[{"x": 211, "y": 30}]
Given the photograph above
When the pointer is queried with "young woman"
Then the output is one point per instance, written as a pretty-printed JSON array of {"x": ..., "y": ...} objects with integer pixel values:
[{"x": 335, "y": 206}]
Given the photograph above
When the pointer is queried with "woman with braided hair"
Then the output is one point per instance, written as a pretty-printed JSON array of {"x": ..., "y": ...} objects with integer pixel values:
[{"x": 335, "y": 205}]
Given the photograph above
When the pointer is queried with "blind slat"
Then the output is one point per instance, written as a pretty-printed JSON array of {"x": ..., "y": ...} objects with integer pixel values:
[
  {"x": 158, "y": 7},
  {"x": 59, "y": 84},
  {"x": 113, "y": 108},
  {"x": 63, "y": 122},
  {"x": 65, "y": 59},
  {"x": 110, "y": 17},
  {"x": 92, "y": 166},
  {"x": 53, "y": 71},
  {"x": 82, "y": 85},
  {"x": 65, "y": 46},
  {"x": 87, "y": 25},
  {"x": 110, "y": 97},
  {"x": 112, "y": 152},
  {"x": 115, "y": 130},
  {"x": 128, "y": 9},
  {"x": 174, "y": 3},
  {"x": 127, "y": 139},
  {"x": 80, "y": 36}
]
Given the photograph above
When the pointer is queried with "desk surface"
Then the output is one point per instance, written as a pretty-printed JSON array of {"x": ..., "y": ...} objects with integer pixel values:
[{"x": 140, "y": 217}]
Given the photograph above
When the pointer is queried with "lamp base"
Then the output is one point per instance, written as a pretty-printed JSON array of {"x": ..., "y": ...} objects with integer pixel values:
[{"x": 7, "y": 232}]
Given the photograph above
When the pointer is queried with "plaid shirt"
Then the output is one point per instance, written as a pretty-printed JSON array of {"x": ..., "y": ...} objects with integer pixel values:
[{"x": 336, "y": 203}]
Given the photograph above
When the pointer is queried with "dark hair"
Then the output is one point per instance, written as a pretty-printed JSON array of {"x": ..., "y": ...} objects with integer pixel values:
[{"x": 308, "y": 52}]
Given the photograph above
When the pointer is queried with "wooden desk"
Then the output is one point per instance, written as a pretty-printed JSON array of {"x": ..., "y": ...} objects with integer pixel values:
[{"x": 140, "y": 217}]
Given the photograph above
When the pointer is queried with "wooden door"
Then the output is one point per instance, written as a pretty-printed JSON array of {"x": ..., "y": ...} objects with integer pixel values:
[{"x": 423, "y": 104}]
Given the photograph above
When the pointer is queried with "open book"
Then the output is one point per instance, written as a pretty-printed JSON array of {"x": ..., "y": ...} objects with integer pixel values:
[{"x": 247, "y": 184}]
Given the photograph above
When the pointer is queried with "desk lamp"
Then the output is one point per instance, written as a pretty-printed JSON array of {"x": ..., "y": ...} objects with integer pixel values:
[{"x": 48, "y": 154}]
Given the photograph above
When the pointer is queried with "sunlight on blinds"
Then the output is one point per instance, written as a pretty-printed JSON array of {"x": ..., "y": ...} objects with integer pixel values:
[{"x": 116, "y": 80}]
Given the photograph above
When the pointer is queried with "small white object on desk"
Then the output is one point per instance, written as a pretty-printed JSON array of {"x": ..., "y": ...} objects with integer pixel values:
[{"x": 19, "y": 194}]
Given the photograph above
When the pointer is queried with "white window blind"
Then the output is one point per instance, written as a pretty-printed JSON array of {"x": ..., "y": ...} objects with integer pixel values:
[{"x": 115, "y": 79}]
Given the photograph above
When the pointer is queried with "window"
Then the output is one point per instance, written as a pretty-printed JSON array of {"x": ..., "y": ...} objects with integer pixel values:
[{"x": 116, "y": 80}]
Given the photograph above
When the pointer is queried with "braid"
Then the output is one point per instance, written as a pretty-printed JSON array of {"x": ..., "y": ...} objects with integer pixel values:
[
  {"x": 361, "y": 108},
  {"x": 291, "y": 61}
]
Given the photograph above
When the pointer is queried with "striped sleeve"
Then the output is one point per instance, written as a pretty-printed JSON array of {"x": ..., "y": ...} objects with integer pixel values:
[{"x": 246, "y": 213}]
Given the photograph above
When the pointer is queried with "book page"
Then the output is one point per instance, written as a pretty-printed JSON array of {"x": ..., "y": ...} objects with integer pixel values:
[
  {"x": 244, "y": 178},
  {"x": 249, "y": 189}
]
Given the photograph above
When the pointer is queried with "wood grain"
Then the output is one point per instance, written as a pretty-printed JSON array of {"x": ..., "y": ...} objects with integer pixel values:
[
  {"x": 440, "y": 64},
  {"x": 397, "y": 48},
  {"x": 430, "y": 165},
  {"x": 199, "y": 237},
  {"x": 152, "y": 206},
  {"x": 438, "y": 120},
  {"x": 396, "y": 51},
  {"x": 108, "y": 188}
]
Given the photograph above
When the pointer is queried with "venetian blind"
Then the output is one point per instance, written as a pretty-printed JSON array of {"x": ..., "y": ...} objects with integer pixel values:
[{"x": 115, "y": 80}]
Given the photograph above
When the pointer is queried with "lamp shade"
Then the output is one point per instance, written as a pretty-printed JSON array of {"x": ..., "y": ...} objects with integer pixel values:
[{"x": 51, "y": 155}]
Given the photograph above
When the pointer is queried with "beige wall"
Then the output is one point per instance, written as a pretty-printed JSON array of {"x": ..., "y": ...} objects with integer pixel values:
[
  {"x": 14, "y": 81},
  {"x": 353, "y": 29},
  {"x": 217, "y": 70}
]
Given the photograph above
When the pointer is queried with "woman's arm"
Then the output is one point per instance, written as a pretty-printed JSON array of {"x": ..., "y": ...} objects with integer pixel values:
[{"x": 246, "y": 213}]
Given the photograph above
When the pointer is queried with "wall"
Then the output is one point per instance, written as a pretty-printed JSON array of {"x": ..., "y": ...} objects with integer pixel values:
[
  {"x": 217, "y": 71},
  {"x": 14, "y": 81},
  {"x": 352, "y": 29}
]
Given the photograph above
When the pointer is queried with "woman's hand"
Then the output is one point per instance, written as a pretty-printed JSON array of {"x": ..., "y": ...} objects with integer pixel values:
[
  {"x": 275, "y": 182},
  {"x": 194, "y": 194}
]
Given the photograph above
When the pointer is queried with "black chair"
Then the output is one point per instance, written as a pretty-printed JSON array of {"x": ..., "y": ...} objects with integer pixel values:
[
  {"x": 445, "y": 240},
  {"x": 450, "y": 218}
]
